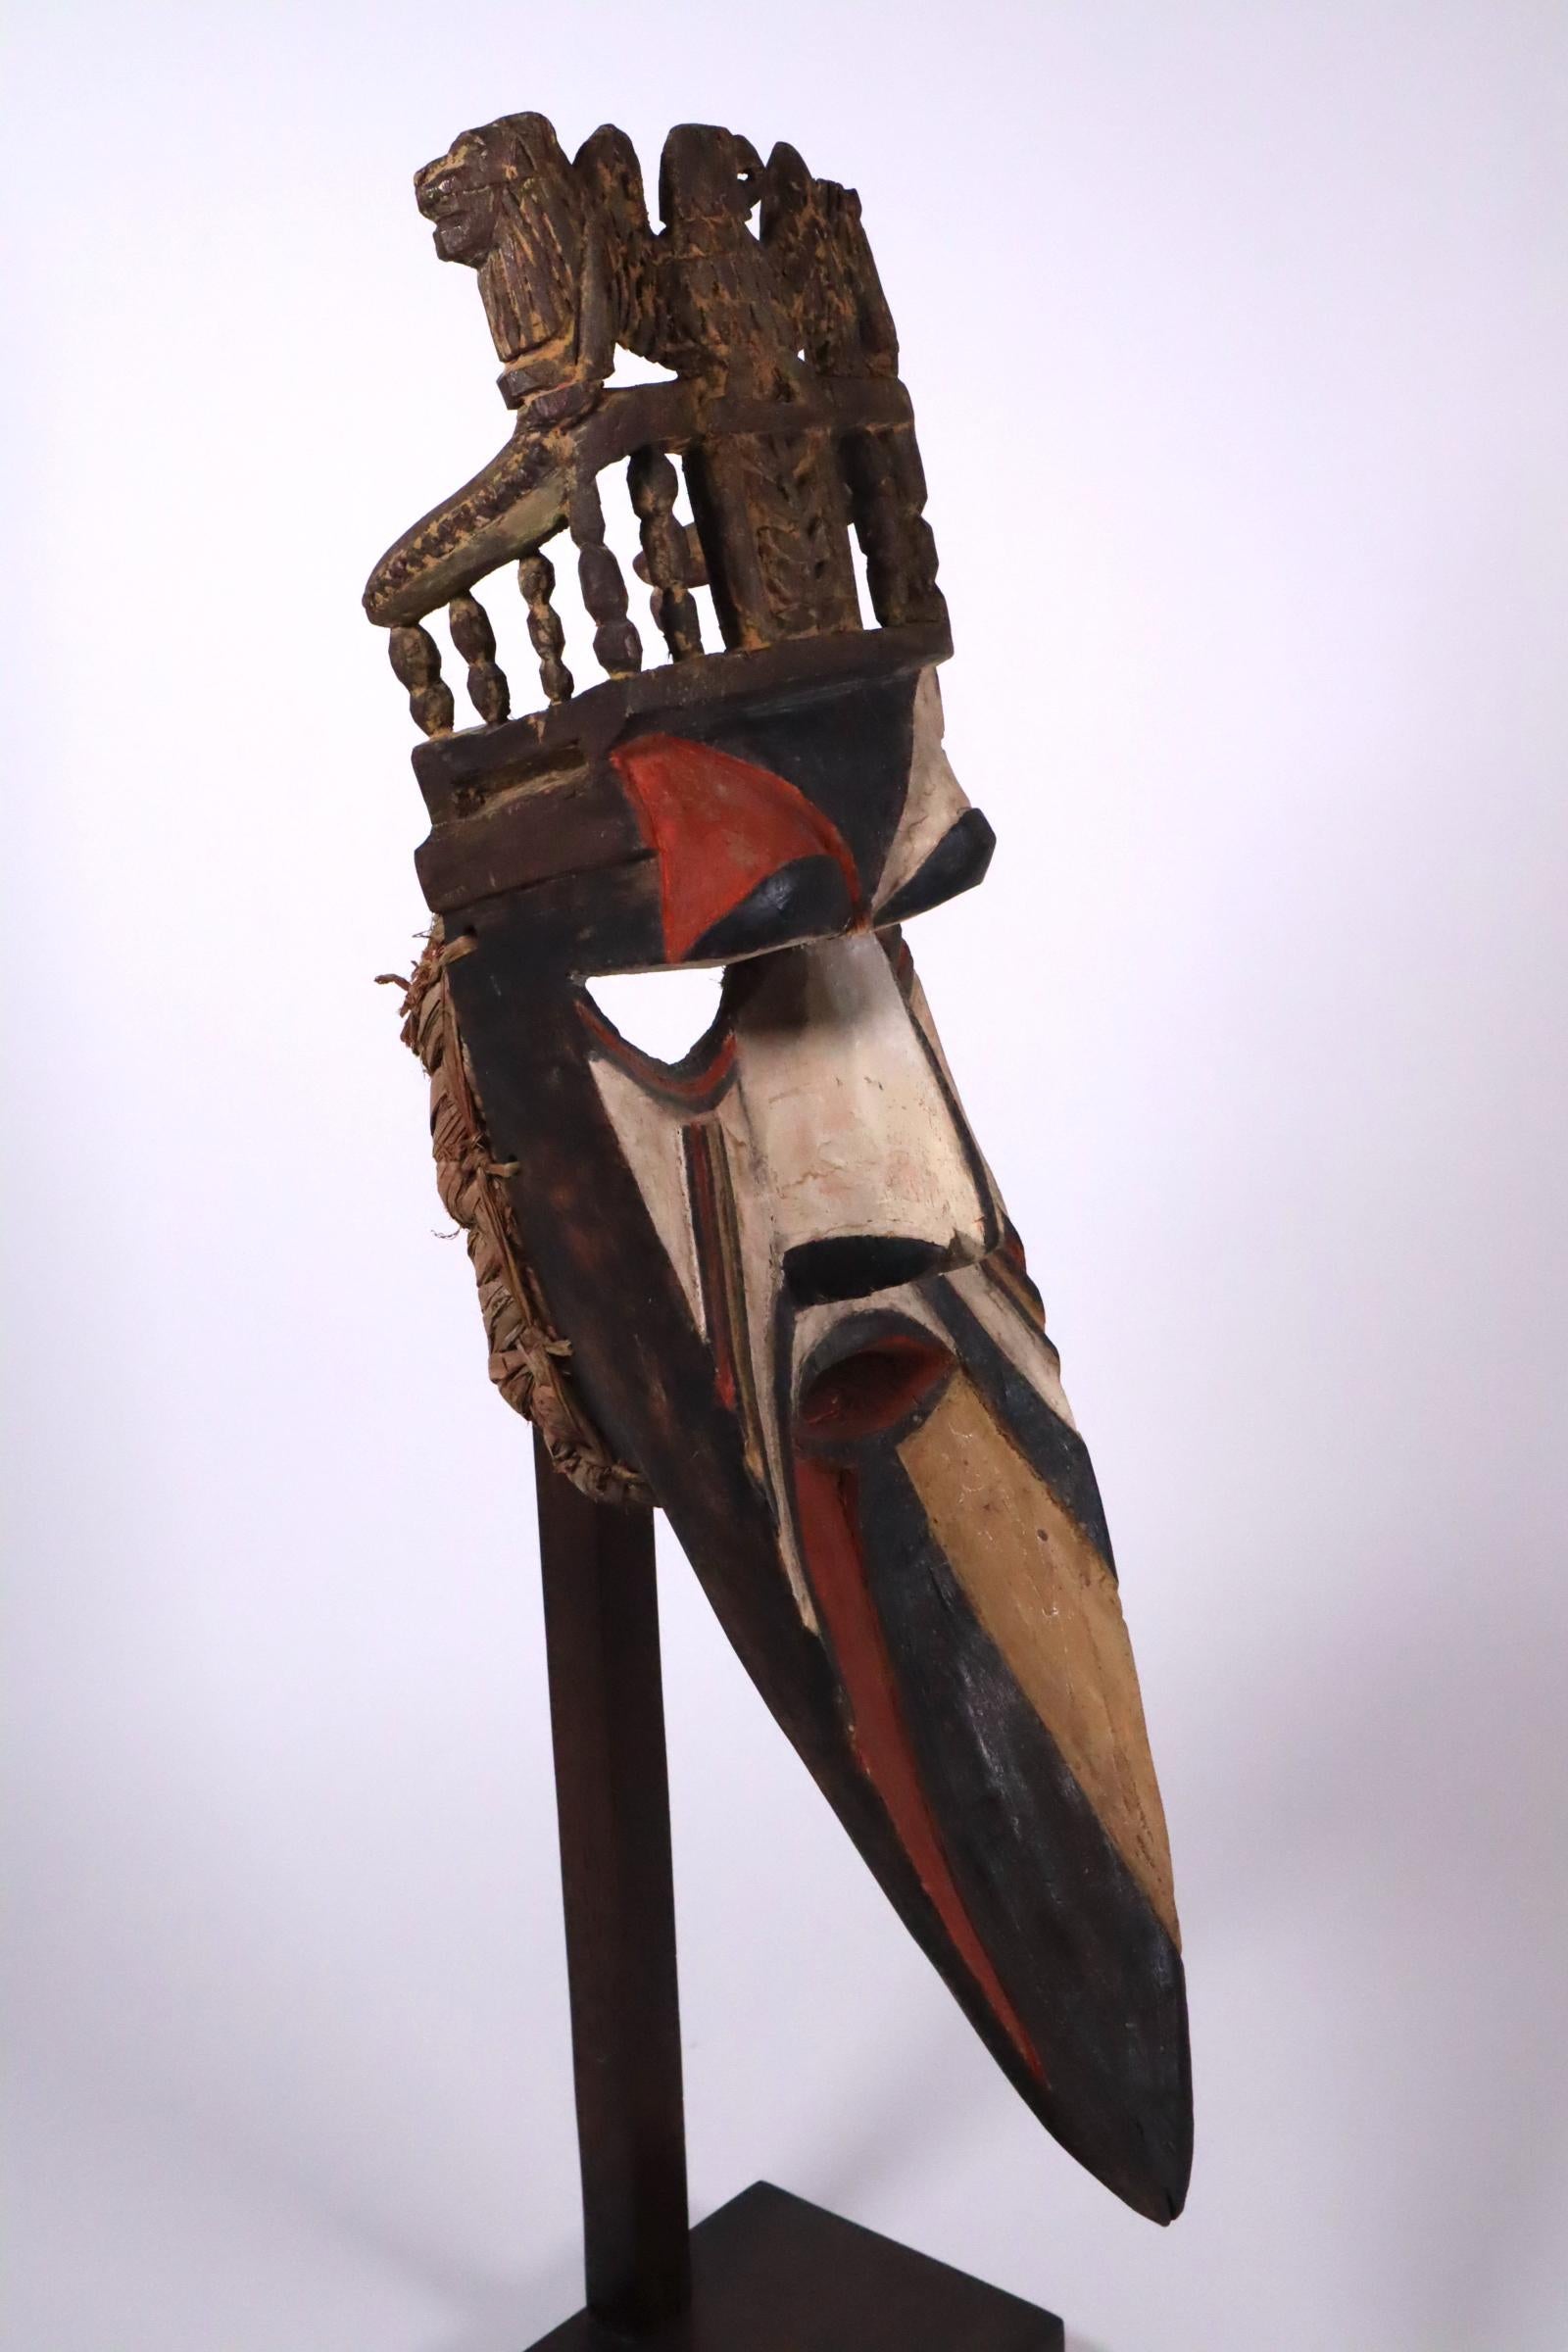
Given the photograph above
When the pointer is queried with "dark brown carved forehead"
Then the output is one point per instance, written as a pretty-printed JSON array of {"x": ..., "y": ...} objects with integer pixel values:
[
  {"x": 701, "y": 836},
  {"x": 643, "y": 907}
]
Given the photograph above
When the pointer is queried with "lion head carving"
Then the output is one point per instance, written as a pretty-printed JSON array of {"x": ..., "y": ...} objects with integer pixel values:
[{"x": 504, "y": 200}]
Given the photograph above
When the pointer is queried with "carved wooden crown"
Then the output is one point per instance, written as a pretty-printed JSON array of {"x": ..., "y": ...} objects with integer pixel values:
[{"x": 786, "y": 416}]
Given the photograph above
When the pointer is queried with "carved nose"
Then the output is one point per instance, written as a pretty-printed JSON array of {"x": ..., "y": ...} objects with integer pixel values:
[{"x": 855, "y": 1265}]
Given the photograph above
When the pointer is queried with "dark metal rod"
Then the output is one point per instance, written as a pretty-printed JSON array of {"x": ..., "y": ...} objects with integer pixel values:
[{"x": 606, "y": 1715}]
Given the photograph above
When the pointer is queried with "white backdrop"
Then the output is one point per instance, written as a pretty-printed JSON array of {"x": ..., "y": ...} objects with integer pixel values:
[{"x": 1237, "y": 336}]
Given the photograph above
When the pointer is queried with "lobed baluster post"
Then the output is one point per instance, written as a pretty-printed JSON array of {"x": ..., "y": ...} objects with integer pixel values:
[
  {"x": 886, "y": 490},
  {"x": 926, "y": 602},
  {"x": 536, "y": 578},
  {"x": 476, "y": 640},
  {"x": 618, "y": 648},
  {"x": 415, "y": 660},
  {"x": 655, "y": 488}
]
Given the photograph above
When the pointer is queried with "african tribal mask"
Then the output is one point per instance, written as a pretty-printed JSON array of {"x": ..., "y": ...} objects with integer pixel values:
[{"x": 772, "y": 1285}]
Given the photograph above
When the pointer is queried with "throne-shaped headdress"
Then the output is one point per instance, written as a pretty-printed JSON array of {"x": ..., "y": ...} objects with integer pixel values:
[{"x": 786, "y": 416}]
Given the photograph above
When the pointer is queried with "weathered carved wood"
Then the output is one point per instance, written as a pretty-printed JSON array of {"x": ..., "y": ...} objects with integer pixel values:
[
  {"x": 476, "y": 640},
  {"x": 462, "y": 772},
  {"x": 536, "y": 578},
  {"x": 869, "y": 477},
  {"x": 611, "y": 181},
  {"x": 505, "y": 201},
  {"x": 786, "y": 359},
  {"x": 666, "y": 558},
  {"x": 618, "y": 648},
  {"x": 416, "y": 661},
  {"x": 533, "y": 831},
  {"x": 812, "y": 233}
]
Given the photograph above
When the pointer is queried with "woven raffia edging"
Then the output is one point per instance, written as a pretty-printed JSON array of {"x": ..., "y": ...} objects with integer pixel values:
[{"x": 529, "y": 1360}]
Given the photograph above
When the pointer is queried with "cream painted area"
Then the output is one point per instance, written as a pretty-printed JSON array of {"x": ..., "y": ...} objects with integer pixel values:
[
  {"x": 835, "y": 1125},
  {"x": 1050, "y": 1605},
  {"x": 651, "y": 1139},
  {"x": 935, "y": 799},
  {"x": 1023, "y": 1347},
  {"x": 921, "y": 1009},
  {"x": 760, "y": 1260},
  {"x": 841, "y": 1123}
]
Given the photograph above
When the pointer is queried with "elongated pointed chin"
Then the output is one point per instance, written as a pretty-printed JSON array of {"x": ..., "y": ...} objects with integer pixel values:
[{"x": 942, "y": 1558}]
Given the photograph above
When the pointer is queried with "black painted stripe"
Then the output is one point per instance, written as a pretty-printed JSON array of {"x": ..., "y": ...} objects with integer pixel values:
[
  {"x": 1088, "y": 1965},
  {"x": 1048, "y": 1442}
]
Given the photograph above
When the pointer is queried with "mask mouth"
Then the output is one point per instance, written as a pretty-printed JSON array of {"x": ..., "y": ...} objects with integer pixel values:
[{"x": 868, "y": 1376}]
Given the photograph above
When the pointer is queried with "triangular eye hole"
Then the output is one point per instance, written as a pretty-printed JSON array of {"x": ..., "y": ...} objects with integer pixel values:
[{"x": 662, "y": 1013}]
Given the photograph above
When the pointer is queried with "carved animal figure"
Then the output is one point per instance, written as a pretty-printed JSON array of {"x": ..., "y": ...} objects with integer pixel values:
[
  {"x": 812, "y": 234},
  {"x": 569, "y": 266}
]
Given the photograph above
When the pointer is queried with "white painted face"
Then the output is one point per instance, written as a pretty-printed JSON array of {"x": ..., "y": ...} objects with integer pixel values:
[
  {"x": 838, "y": 1124},
  {"x": 807, "y": 1156}
]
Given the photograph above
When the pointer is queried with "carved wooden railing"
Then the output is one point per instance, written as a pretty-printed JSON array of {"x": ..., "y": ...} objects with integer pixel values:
[{"x": 863, "y": 424}]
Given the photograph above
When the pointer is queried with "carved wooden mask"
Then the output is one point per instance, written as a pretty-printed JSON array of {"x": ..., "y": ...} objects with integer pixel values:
[{"x": 794, "y": 1305}]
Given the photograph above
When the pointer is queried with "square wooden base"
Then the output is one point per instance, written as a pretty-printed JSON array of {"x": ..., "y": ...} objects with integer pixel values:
[{"x": 773, "y": 2273}]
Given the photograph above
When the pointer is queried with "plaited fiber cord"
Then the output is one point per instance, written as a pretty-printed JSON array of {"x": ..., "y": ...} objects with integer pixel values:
[{"x": 529, "y": 1360}]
